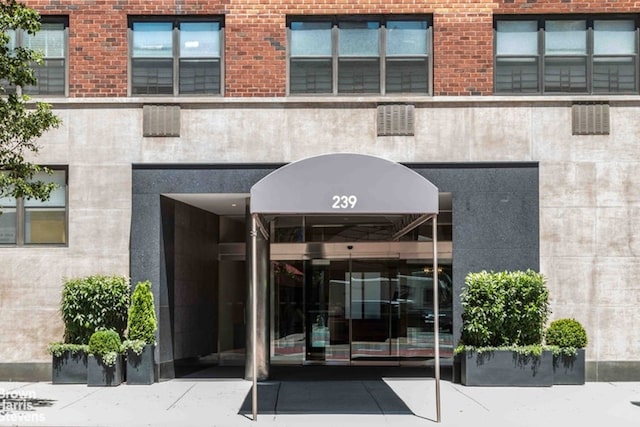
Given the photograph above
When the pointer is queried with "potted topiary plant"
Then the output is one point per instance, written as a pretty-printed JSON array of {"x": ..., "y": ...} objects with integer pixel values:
[
  {"x": 141, "y": 337},
  {"x": 567, "y": 339},
  {"x": 87, "y": 304},
  {"x": 105, "y": 359},
  {"x": 503, "y": 320}
]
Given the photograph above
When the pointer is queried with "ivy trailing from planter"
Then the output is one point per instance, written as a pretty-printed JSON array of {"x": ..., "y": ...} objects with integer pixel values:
[{"x": 57, "y": 349}]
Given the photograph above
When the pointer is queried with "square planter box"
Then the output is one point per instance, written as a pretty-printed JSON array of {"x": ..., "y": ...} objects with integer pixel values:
[
  {"x": 140, "y": 368},
  {"x": 69, "y": 368},
  {"x": 569, "y": 369},
  {"x": 506, "y": 368},
  {"x": 106, "y": 376}
]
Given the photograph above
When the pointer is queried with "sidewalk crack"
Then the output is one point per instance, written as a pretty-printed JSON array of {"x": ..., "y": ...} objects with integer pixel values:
[{"x": 180, "y": 398}]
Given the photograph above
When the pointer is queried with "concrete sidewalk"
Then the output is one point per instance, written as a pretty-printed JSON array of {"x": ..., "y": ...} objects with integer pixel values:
[{"x": 384, "y": 401}]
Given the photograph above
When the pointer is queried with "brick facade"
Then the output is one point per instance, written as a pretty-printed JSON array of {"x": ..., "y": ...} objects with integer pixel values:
[{"x": 255, "y": 37}]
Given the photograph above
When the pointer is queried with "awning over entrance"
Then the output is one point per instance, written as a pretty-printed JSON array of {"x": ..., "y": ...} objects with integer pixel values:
[
  {"x": 333, "y": 184},
  {"x": 344, "y": 183}
]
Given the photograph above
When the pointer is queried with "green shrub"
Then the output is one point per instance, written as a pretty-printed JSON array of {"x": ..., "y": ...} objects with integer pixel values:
[
  {"x": 105, "y": 344},
  {"x": 504, "y": 309},
  {"x": 93, "y": 303},
  {"x": 142, "y": 322},
  {"x": 566, "y": 333}
]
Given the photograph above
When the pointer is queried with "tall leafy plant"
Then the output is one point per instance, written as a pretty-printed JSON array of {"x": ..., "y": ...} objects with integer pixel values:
[
  {"x": 93, "y": 303},
  {"x": 507, "y": 308},
  {"x": 142, "y": 322}
]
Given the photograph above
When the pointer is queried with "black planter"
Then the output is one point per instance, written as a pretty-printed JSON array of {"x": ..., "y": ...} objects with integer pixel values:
[
  {"x": 98, "y": 374},
  {"x": 69, "y": 368},
  {"x": 140, "y": 368},
  {"x": 569, "y": 369},
  {"x": 506, "y": 368}
]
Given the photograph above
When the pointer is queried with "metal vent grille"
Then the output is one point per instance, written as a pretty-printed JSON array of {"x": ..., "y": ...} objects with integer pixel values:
[
  {"x": 396, "y": 120},
  {"x": 161, "y": 120},
  {"x": 590, "y": 119}
]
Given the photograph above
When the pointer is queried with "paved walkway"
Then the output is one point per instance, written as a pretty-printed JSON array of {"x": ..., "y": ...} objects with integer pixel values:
[{"x": 290, "y": 400}]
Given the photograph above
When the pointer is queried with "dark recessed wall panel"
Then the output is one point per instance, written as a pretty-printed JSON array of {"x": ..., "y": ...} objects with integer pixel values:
[{"x": 495, "y": 218}]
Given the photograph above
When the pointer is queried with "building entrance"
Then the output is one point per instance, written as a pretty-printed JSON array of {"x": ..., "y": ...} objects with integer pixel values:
[{"x": 358, "y": 311}]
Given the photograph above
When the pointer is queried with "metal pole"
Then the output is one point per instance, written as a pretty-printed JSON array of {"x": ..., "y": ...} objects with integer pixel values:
[
  {"x": 436, "y": 315},
  {"x": 254, "y": 315}
]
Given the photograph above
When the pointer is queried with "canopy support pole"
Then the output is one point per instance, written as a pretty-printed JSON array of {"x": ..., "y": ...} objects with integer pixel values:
[
  {"x": 254, "y": 315},
  {"x": 436, "y": 316}
]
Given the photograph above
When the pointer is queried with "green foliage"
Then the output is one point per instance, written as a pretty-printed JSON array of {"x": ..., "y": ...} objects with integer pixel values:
[
  {"x": 142, "y": 322},
  {"x": 58, "y": 348},
  {"x": 523, "y": 350},
  {"x": 21, "y": 121},
  {"x": 93, "y": 303},
  {"x": 135, "y": 345},
  {"x": 566, "y": 336},
  {"x": 105, "y": 344},
  {"x": 504, "y": 309}
]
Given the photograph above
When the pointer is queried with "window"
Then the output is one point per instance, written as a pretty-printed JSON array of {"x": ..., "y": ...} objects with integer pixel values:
[
  {"x": 347, "y": 55},
  {"x": 51, "y": 43},
  {"x": 568, "y": 55},
  {"x": 176, "y": 56},
  {"x": 25, "y": 222}
]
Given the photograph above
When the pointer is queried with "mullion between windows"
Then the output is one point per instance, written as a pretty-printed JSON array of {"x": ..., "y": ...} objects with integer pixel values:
[{"x": 175, "y": 53}]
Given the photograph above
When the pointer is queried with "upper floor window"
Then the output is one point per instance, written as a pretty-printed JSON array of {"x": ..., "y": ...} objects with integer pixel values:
[
  {"x": 359, "y": 55},
  {"x": 29, "y": 221},
  {"x": 176, "y": 56},
  {"x": 566, "y": 55},
  {"x": 51, "y": 43}
]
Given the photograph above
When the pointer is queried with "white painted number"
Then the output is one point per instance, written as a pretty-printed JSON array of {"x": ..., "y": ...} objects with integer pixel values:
[{"x": 344, "y": 202}]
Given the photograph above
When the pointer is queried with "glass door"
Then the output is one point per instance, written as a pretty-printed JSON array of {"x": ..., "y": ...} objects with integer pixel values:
[
  {"x": 367, "y": 311},
  {"x": 327, "y": 297},
  {"x": 377, "y": 319}
]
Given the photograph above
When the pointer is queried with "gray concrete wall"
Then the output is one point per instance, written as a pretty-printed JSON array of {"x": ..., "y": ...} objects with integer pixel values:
[{"x": 588, "y": 200}]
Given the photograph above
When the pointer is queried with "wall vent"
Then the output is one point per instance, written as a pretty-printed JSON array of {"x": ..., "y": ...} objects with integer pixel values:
[
  {"x": 396, "y": 119},
  {"x": 161, "y": 120},
  {"x": 590, "y": 119}
]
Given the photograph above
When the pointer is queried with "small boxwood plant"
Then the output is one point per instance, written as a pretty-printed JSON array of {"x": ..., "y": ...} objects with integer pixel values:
[
  {"x": 566, "y": 336},
  {"x": 106, "y": 345}
]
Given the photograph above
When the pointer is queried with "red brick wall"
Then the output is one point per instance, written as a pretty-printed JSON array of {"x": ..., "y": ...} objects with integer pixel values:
[{"x": 255, "y": 37}]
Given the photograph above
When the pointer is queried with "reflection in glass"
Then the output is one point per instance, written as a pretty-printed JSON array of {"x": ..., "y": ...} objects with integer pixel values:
[
  {"x": 152, "y": 40},
  {"x": 614, "y": 37},
  {"x": 310, "y": 39},
  {"x": 199, "y": 40},
  {"x": 566, "y": 37},
  {"x": 517, "y": 38},
  {"x": 359, "y": 39},
  {"x": 407, "y": 38},
  {"x": 7, "y": 225}
]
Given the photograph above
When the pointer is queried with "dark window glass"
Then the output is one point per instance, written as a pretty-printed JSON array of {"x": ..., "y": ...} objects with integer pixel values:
[
  {"x": 166, "y": 51},
  {"x": 407, "y": 75},
  {"x": 575, "y": 56},
  {"x": 346, "y": 56},
  {"x": 51, "y": 43}
]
